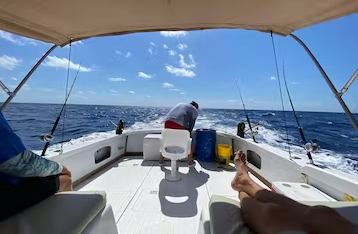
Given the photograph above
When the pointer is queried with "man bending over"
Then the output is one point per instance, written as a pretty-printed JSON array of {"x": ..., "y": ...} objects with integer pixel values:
[
  {"x": 25, "y": 177},
  {"x": 183, "y": 117}
]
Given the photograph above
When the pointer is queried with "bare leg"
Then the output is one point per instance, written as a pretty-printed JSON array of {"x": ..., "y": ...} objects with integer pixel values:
[
  {"x": 65, "y": 183},
  {"x": 267, "y": 212},
  {"x": 161, "y": 159},
  {"x": 191, "y": 162},
  {"x": 190, "y": 156},
  {"x": 242, "y": 181},
  {"x": 242, "y": 195}
]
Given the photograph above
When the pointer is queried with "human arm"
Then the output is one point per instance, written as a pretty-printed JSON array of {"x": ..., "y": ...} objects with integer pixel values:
[
  {"x": 190, "y": 121},
  {"x": 191, "y": 124},
  {"x": 29, "y": 164}
]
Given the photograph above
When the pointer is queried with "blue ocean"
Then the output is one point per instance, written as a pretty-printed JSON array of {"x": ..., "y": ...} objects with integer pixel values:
[{"x": 336, "y": 137}]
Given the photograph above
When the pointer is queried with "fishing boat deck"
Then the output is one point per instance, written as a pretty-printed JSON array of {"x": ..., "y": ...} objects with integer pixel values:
[{"x": 143, "y": 201}]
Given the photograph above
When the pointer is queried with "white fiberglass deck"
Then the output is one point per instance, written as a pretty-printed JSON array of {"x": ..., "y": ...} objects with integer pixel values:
[{"x": 144, "y": 202}]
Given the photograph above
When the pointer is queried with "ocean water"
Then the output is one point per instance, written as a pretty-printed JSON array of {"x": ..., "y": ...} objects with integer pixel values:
[{"x": 336, "y": 137}]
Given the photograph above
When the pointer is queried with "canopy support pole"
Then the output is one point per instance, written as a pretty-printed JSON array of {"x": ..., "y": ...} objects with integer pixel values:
[
  {"x": 330, "y": 84},
  {"x": 349, "y": 82},
  {"x": 6, "y": 90},
  {"x": 17, "y": 89}
]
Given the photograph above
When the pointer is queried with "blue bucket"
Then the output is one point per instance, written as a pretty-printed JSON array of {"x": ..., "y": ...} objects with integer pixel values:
[{"x": 205, "y": 145}]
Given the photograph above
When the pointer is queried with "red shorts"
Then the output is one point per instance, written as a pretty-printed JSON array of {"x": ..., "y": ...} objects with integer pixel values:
[{"x": 172, "y": 125}]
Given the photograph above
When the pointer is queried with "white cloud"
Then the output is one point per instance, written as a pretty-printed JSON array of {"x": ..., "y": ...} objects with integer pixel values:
[
  {"x": 191, "y": 58},
  {"x": 174, "y": 33},
  {"x": 53, "y": 61},
  {"x": 77, "y": 43},
  {"x": 32, "y": 43},
  {"x": 150, "y": 51},
  {"x": 177, "y": 90},
  {"x": 168, "y": 85},
  {"x": 165, "y": 46},
  {"x": 233, "y": 101},
  {"x": 185, "y": 65},
  {"x": 172, "y": 52},
  {"x": 273, "y": 78},
  {"x": 132, "y": 92},
  {"x": 149, "y": 96},
  {"x": 179, "y": 71},
  {"x": 9, "y": 37},
  {"x": 79, "y": 95},
  {"x": 46, "y": 89},
  {"x": 182, "y": 46},
  {"x": 182, "y": 93},
  {"x": 113, "y": 91},
  {"x": 17, "y": 41},
  {"x": 126, "y": 55},
  {"x": 91, "y": 92},
  {"x": 294, "y": 83},
  {"x": 24, "y": 87},
  {"x": 14, "y": 78},
  {"x": 144, "y": 75},
  {"x": 9, "y": 63},
  {"x": 117, "y": 79}
]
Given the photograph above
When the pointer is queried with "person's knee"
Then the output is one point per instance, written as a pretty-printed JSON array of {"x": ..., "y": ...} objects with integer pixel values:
[{"x": 65, "y": 183}]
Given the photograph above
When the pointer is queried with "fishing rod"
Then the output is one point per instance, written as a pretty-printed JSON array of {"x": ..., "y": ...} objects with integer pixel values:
[
  {"x": 295, "y": 115},
  {"x": 49, "y": 137},
  {"x": 247, "y": 116}
]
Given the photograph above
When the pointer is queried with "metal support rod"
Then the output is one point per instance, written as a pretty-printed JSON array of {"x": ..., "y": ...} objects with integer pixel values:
[
  {"x": 349, "y": 82},
  {"x": 6, "y": 90},
  {"x": 330, "y": 84},
  {"x": 8, "y": 100}
]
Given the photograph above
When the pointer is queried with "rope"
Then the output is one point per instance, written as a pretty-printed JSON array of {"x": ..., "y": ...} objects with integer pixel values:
[
  {"x": 66, "y": 95},
  {"x": 247, "y": 116},
  {"x": 294, "y": 112},
  {"x": 279, "y": 85}
]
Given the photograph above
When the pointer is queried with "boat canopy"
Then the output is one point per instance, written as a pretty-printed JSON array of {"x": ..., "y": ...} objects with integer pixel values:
[{"x": 59, "y": 21}]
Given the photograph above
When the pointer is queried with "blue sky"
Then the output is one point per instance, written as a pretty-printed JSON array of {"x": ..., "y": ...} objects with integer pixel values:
[{"x": 161, "y": 69}]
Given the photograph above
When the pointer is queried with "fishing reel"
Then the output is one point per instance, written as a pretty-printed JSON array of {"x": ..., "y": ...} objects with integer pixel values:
[
  {"x": 311, "y": 146},
  {"x": 241, "y": 129},
  {"x": 46, "y": 138},
  {"x": 120, "y": 127}
]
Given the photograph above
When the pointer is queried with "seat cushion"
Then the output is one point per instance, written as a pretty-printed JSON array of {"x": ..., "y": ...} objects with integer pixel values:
[
  {"x": 348, "y": 210},
  {"x": 225, "y": 217},
  {"x": 67, "y": 212}
]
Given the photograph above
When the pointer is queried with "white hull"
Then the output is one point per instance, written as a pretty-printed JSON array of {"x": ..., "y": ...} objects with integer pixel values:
[
  {"x": 275, "y": 163},
  {"x": 140, "y": 200}
]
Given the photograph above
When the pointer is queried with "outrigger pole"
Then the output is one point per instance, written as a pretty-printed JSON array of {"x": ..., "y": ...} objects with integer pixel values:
[
  {"x": 17, "y": 89},
  {"x": 337, "y": 94}
]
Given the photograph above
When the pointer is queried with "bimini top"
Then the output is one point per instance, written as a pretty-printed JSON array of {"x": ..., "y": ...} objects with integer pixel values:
[{"x": 57, "y": 21}]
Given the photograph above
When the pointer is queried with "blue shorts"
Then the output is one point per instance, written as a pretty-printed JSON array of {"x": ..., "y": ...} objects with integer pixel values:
[{"x": 29, "y": 191}]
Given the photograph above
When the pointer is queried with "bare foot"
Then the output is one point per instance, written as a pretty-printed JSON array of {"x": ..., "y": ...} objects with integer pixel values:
[{"x": 242, "y": 178}]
